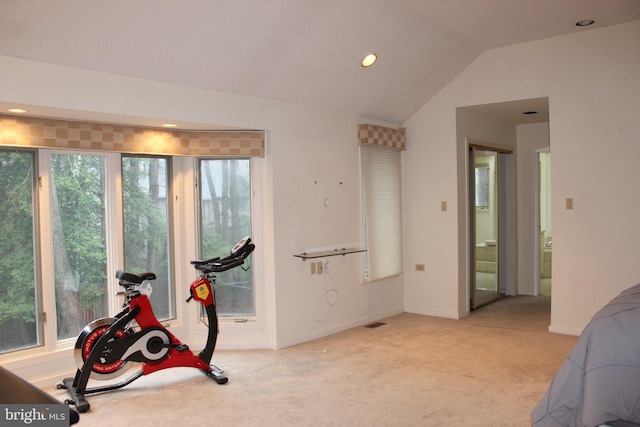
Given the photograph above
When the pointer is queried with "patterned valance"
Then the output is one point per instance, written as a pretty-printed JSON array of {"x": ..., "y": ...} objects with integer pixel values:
[
  {"x": 381, "y": 136},
  {"x": 36, "y": 132}
]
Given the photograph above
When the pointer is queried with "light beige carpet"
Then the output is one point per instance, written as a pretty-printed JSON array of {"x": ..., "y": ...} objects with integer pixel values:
[{"x": 487, "y": 370}]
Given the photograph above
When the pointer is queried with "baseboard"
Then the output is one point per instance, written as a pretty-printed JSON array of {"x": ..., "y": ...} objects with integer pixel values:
[
  {"x": 434, "y": 313},
  {"x": 43, "y": 370},
  {"x": 564, "y": 330},
  {"x": 338, "y": 328}
]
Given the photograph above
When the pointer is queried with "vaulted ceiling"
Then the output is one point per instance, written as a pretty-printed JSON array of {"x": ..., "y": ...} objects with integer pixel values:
[{"x": 303, "y": 52}]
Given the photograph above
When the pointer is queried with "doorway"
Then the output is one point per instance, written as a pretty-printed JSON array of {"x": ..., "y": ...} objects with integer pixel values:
[
  {"x": 545, "y": 225},
  {"x": 510, "y": 126},
  {"x": 487, "y": 213}
]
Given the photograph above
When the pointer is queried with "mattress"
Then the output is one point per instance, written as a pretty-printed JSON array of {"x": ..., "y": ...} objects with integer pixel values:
[{"x": 599, "y": 380}]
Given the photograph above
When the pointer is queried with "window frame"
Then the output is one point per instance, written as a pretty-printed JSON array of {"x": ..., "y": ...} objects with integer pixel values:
[
  {"x": 37, "y": 274},
  {"x": 114, "y": 250}
]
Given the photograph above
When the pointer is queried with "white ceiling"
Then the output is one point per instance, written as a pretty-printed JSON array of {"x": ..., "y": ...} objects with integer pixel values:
[{"x": 304, "y": 52}]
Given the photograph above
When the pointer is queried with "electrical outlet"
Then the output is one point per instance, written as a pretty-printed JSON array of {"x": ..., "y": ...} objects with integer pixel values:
[
  {"x": 313, "y": 268},
  {"x": 419, "y": 267},
  {"x": 569, "y": 203},
  {"x": 320, "y": 267}
]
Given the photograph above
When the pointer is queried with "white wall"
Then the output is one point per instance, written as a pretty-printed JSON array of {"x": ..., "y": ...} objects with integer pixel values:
[
  {"x": 315, "y": 159},
  {"x": 592, "y": 80},
  {"x": 311, "y": 154}
]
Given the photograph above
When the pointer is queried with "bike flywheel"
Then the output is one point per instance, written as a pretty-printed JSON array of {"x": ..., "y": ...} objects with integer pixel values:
[{"x": 90, "y": 334}]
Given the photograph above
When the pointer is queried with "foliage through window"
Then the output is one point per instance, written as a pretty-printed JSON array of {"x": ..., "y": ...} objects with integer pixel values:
[
  {"x": 225, "y": 217},
  {"x": 79, "y": 240},
  {"x": 19, "y": 326},
  {"x": 146, "y": 196}
]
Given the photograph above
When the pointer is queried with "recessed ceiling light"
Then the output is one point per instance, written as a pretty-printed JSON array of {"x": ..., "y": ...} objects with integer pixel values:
[
  {"x": 369, "y": 60},
  {"x": 16, "y": 110},
  {"x": 585, "y": 23},
  {"x": 169, "y": 125}
]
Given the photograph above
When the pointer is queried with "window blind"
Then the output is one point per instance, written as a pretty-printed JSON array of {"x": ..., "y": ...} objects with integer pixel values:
[{"x": 382, "y": 207}]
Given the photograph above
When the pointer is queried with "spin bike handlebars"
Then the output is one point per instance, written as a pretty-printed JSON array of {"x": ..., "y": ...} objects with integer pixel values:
[{"x": 240, "y": 251}]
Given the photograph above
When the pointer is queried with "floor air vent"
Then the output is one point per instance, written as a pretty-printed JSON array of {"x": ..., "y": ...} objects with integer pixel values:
[{"x": 375, "y": 325}]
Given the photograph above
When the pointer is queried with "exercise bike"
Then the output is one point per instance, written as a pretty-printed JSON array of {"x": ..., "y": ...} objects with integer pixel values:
[{"x": 106, "y": 346}]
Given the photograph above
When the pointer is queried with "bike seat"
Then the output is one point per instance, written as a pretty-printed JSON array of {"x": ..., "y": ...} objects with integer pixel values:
[{"x": 134, "y": 278}]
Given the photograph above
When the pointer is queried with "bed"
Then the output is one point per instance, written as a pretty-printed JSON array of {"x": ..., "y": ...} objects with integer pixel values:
[{"x": 599, "y": 380}]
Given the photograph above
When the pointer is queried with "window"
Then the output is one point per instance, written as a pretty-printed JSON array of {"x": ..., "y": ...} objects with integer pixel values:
[
  {"x": 382, "y": 204},
  {"x": 69, "y": 219},
  {"x": 19, "y": 302},
  {"x": 146, "y": 195},
  {"x": 79, "y": 240},
  {"x": 84, "y": 241},
  {"x": 482, "y": 186},
  {"x": 225, "y": 217}
]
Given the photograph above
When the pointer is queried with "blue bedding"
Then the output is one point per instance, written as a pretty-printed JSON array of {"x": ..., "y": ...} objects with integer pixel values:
[{"x": 599, "y": 380}]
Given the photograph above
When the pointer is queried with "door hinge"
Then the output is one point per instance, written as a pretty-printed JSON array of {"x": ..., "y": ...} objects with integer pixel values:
[{"x": 44, "y": 317}]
